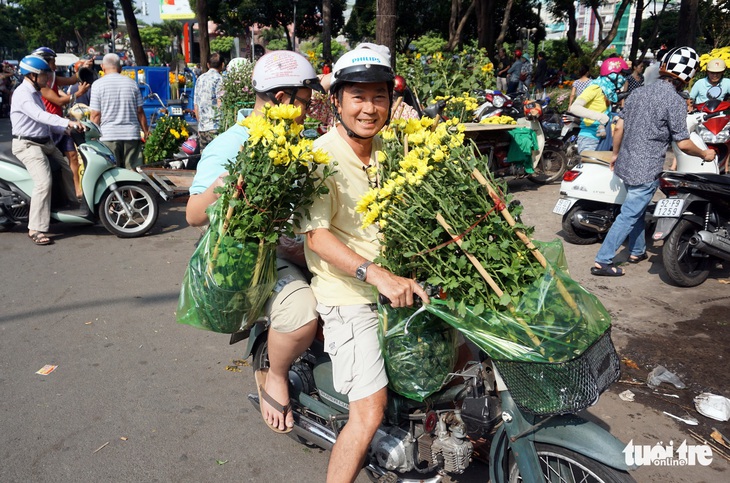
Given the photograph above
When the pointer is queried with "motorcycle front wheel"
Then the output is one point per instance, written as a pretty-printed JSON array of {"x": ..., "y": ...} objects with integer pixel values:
[
  {"x": 142, "y": 201},
  {"x": 563, "y": 465},
  {"x": 551, "y": 167},
  {"x": 683, "y": 268}
]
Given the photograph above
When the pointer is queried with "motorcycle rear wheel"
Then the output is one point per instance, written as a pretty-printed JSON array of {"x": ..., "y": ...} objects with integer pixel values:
[
  {"x": 145, "y": 209},
  {"x": 574, "y": 235},
  {"x": 682, "y": 268},
  {"x": 563, "y": 465},
  {"x": 551, "y": 167}
]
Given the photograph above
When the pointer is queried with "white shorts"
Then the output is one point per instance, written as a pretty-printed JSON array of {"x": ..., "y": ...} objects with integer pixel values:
[
  {"x": 292, "y": 304},
  {"x": 351, "y": 340}
]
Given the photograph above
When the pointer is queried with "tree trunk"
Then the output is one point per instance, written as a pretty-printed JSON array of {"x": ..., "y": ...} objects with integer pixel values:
[
  {"x": 573, "y": 45},
  {"x": 327, "y": 30},
  {"x": 385, "y": 29},
  {"x": 505, "y": 23},
  {"x": 135, "y": 40},
  {"x": 637, "y": 33},
  {"x": 687, "y": 28},
  {"x": 201, "y": 11},
  {"x": 458, "y": 28},
  {"x": 606, "y": 41}
]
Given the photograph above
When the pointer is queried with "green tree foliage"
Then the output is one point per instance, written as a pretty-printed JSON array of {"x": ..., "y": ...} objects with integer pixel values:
[
  {"x": 222, "y": 45},
  {"x": 235, "y": 17},
  {"x": 153, "y": 38},
  {"x": 54, "y": 22},
  {"x": 11, "y": 45}
]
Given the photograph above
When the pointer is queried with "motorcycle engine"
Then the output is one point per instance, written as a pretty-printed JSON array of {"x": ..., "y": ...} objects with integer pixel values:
[
  {"x": 448, "y": 448},
  {"x": 394, "y": 449}
]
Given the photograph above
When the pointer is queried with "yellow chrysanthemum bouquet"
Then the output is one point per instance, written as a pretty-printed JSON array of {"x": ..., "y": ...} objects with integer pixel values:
[
  {"x": 165, "y": 139},
  {"x": 445, "y": 222},
  {"x": 233, "y": 270}
]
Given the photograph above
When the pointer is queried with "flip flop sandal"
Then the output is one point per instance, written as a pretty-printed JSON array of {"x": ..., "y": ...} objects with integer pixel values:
[
  {"x": 637, "y": 259},
  {"x": 260, "y": 377},
  {"x": 40, "y": 238},
  {"x": 607, "y": 270}
]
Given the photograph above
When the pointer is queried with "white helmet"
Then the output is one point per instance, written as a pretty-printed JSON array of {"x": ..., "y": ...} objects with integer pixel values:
[
  {"x": 716, "y": 65},
  {"x": 362, "y": 65},
  {"x": 281, "y": 69},
  {"x": 237, "y": 62}
]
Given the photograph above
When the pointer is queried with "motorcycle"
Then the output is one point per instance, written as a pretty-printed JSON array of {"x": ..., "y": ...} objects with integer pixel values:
[
  {"x": 121, "y": 199},
  {"x": 569, "y": 137},
  {"x": 424, "y": 441},
  {"x": 591, "y": 195},
  {"x": 694, "y": 219},
  {"x": 548, "y": 161},
  {"x": 710, "y": 125}
]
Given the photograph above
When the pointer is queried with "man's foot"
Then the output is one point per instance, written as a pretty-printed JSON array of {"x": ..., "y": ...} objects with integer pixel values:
[
  {"x": 606, "y": 270},
  {"x": 40, "y": 238},
  {"x": 278, "y": 416},
  {"x": 638, "y": 258}
]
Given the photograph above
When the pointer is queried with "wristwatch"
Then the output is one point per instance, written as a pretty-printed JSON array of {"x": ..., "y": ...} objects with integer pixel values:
[{"x": 362, "y": 271}]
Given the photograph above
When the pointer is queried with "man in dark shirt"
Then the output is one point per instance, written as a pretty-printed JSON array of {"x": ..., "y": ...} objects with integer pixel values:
[
  {"x": 503, "y": 64},
  {"x": 541, "y": 71},
  {"x": 653, "y": 116}
]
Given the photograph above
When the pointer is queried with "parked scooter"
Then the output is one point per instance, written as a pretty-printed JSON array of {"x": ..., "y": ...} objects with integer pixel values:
[
  {"x": 121, "y": 199},
  {"x": 569, "y": 137},
  {"x": 423, "y": 441},
  {"x": 548, "y": 161}
]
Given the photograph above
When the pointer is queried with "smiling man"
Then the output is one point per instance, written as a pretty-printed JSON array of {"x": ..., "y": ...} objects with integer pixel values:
[{"x": 339, "y": 253}]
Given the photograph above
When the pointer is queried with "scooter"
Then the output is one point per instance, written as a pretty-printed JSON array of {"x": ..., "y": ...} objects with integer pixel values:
[
  {"x": 694, "y": 222},
  {"x": 121, "y": 199},
  {"x": 424, "y": 441},
  {"x": 709, "y": 126},
  {"x": 591, "y": 195},
  {"x": 548, "y": 161}
]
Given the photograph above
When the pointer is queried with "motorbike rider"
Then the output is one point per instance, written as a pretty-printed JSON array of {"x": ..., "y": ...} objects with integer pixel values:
[
  {"x": 55, "y": 100},
  {"x": 340, "y": 252},
  {"x": 32, "y": 126},
  {"x": 715, "y": 72},
  {"x": 279, "y": 77},
  {"x": 593, "y": 105},
  {"x": 652, "y": 117}
]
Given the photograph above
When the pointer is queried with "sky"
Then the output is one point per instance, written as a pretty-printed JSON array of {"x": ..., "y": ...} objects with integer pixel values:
[{"x": 152, "y": 7}]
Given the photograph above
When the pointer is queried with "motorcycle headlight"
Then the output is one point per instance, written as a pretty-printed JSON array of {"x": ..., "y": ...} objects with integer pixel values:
[
  {"x": 706, "y": 134},
  {"x": 723, "y": 136},
  {"x": 498, "y": 101}
]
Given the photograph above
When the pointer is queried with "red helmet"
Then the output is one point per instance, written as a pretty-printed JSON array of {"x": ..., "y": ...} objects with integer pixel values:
[
  {"x": 518, "y": 53},
  {"x": 613, "y": 65}
]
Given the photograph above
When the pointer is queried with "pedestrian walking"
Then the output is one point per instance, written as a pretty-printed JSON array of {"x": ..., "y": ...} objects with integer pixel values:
[
  {"x": 652, "y": 118},
  {"x": 207, "y": 100},
  {"x": 116, "y": 107}
]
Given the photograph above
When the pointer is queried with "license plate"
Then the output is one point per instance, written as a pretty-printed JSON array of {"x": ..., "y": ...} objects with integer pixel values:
[
  {"x": 176, "y": 111},
  {"x": 562, "y": 206},
  {"x": 669, "y": 208}
]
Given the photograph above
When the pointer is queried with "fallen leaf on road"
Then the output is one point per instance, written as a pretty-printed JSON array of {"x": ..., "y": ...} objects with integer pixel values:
[
  {"x": 221, "y": 462},
  {"x": 233, "y": 368},
  {"x": 241, "y": 363},
  {"x": 629, "y": 363}
]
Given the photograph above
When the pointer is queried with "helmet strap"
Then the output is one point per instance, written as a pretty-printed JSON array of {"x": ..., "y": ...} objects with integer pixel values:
[{"x": 34, "y": 80}]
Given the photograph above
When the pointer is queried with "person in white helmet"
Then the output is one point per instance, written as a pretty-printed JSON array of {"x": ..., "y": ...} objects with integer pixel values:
[
  {"x": 279, "y": 77},
  {"x": 339, "y": 253},
  {"x": 715, "y": 72}
]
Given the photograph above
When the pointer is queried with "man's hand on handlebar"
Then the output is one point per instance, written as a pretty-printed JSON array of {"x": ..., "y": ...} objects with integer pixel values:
[
  {"x": 399, "y": 290},
  {"x": 75, "y": 126}
]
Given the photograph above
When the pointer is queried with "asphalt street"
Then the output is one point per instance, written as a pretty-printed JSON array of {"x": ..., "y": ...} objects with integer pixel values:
[{"x": 137, "y": 397}]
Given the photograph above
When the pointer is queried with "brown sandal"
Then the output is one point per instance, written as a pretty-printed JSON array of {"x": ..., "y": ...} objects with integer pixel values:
[
  {"x": 40, "y": 238},
  {"x": 260, "y": 377}
]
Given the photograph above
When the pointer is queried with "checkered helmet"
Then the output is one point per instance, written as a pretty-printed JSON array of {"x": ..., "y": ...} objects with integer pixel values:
[{"x": 681, "y": 63}]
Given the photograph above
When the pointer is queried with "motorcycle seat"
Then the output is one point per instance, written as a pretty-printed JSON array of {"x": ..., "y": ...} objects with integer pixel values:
[
  {"x": 7, "y": 155},
  {"x": 601, "y": 156}
]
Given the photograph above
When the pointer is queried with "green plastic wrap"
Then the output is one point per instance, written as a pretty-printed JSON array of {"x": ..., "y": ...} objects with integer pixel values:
[
  {"x": 418, "y": 348},
  {"x": 555, "y": 321},
  {"x": 226, "y": 294}
]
